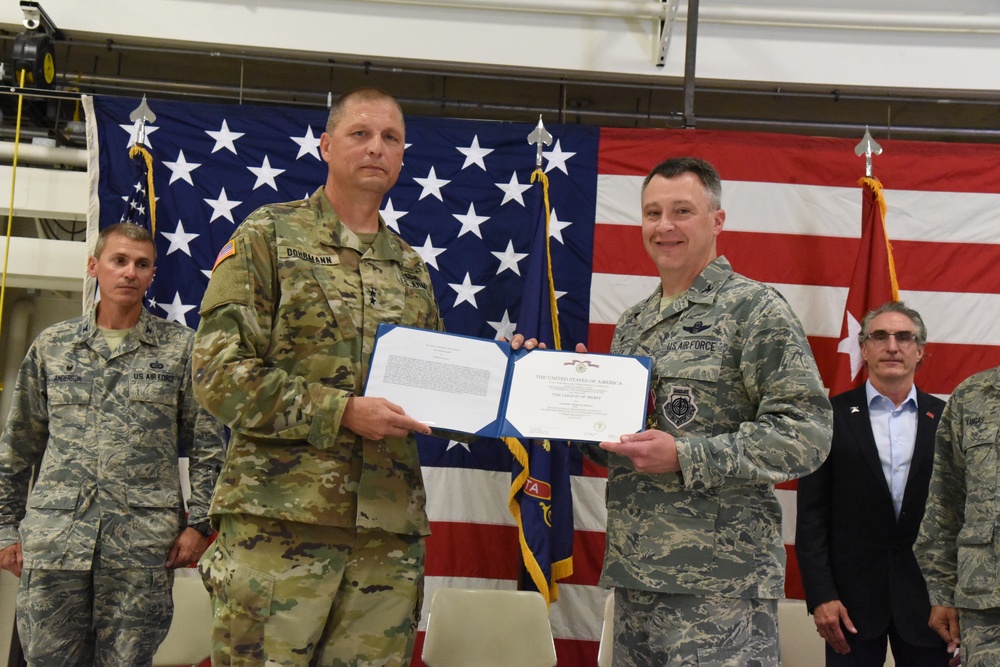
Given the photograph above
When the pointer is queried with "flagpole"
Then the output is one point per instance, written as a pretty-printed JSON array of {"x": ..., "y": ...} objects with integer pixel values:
[
  {"x": 868, "y": 147},
  {"x": 540, "y": 498},
  {"x": 142, "y": 115}
]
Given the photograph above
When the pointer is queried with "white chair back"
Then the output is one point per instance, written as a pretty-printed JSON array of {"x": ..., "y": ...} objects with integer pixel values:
[
  {"x": 488, "y": 628},
  {"x": 607, "y": 633},
  {"x": 189, "y": 640}
]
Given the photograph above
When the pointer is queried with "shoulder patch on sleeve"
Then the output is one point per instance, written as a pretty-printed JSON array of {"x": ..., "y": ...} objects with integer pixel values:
[
  {"x": 230, "y": 281},
  {"x": 228, "y": 250}
]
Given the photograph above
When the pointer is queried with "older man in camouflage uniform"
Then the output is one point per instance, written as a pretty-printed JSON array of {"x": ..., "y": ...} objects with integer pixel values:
[
  {"x": 694, "y": 546},
  {"x": 321, "y": 504},
  {"x": 958, "y": 547},
  {"x": 101, "y": 408}
]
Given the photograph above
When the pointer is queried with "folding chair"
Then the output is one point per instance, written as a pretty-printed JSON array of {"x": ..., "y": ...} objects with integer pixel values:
[
  {"x": 488, "y": 628},
  {"x": 607, "y": 632},
  {"x": 189, "y": 640}
]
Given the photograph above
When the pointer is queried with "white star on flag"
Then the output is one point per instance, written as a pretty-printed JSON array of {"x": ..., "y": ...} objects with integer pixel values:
[
  {"x": 392, "y": 216},
  {"x": 512, "y": 191},
  {"x": 474, "y": 154},
  {"x": 557, "y": 159},
  {"x": 466, "y": 291},
  {"x": 850, "y": 346},
  {"x": 455, "y": 443},
  {"x": 556, "y": 226},
  {"x": 136, "y": 204},
  {"x": 265, "y": 174},
  {"x": 181, "y": 169},
  {"x": 429, "y": 253},
  {"x": 470, "y": 221},
  {"x": 504, "y": 328},
  {"x": 133, "y": 134},
  {"x": 308, "y": 144},
  {"x": 224, "y": 138},
  {"x": 176, "y": 310},
  {"x": 222, "y": 207},
  {"x": 431, "y": 185},
  {"x": 509, "y": 259},
  {"x": 179, "y": 239}
]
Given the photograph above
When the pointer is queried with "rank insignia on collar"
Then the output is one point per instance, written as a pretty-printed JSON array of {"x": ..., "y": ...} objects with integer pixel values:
[{"x": 697, "y": 327}]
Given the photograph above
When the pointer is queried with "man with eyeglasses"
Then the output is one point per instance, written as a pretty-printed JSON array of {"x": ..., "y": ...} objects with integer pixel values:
[
  {"x": 957, "y": 546},
  {"x": 858, "y": 515}
]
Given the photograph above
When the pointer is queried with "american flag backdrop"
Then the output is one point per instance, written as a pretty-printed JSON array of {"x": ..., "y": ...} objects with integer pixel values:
[{"x": 463, "y": 200}]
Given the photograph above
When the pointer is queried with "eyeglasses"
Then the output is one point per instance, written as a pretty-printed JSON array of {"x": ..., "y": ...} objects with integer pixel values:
[{"x": 881, "y": 337}]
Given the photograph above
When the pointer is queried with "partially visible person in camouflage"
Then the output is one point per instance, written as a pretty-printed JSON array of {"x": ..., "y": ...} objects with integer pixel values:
[
  {"x": 694, "y": 548},
  {"x": 321, "y": 503},
  {"x": 100, "y": 411},
  {"x": 958, "y": 547}
]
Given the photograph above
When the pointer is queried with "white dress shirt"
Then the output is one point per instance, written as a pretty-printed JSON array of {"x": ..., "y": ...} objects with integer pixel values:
[{"x": 895, "y": 431}]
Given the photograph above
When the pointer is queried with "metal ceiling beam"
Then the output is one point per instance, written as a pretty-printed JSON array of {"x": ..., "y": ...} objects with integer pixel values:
[
  {"x": 789, "y": 17},
  {"x": 690, "y": 56}
]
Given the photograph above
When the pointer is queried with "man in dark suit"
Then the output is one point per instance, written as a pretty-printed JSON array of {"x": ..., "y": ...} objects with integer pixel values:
[{"x": 858, "y": 515}]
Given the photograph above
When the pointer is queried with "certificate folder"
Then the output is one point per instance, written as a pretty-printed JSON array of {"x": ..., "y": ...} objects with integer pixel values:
[{"x": 483, "y": 387}]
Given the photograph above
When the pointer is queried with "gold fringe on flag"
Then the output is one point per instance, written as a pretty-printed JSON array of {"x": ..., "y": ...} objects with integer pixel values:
[
  {"x": 137, "y": 150},
  {"x": 539, "y": 175}
]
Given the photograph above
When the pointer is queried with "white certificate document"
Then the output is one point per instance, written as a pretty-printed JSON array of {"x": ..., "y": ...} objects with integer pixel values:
[
  {"x": 482, "y": 387},
  {"x": 450, "y": 382},
  {"x": 569, "y": 396}
]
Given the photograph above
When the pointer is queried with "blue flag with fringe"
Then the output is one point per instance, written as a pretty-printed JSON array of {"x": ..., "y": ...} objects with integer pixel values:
[{"x": 541, "y": 499}]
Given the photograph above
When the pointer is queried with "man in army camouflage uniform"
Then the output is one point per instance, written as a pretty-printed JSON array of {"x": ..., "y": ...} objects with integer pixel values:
[
  {"x": 101, "y": 407},
  {"x": 321, "y": 504},
  {"x": 957, "y": 547},
  {"x": 694, "y": 546}
]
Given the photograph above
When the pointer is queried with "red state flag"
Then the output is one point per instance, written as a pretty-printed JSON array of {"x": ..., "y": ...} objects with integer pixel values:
[{"x": 872, "y": 284}]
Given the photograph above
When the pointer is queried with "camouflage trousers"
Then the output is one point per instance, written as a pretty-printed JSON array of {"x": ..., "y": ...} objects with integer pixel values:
[
  {"x": 101, "y": 617},
  {"x": 293, "y": 594},
  {"x": 693, "y": 631},
  {"x": 980, "y": 630}
]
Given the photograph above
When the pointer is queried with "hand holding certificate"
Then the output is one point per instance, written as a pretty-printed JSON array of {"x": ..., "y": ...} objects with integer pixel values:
[{"x": 482, "y": 387}]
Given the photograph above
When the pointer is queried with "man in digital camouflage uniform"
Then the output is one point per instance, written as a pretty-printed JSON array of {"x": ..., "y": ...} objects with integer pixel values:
[
  {"x": 101, "y": 408},
  {"x": 694, "y": 547},
  {"x": 958, "y": 547},
  {"x": 321, "y": 504}
]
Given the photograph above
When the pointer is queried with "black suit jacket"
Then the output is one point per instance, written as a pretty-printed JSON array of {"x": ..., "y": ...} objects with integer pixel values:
[{"x": 849, "y": 543}]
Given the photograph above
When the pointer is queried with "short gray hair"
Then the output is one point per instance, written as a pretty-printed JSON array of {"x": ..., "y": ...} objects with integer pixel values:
[{"x": 893, "y": 307}]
